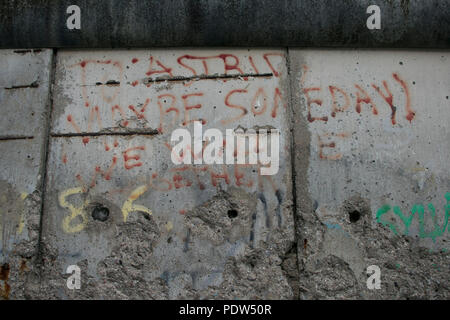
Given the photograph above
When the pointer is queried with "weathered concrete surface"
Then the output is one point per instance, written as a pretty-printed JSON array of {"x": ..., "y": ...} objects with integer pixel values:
[
  {"x": 173, "y": 231},
  {"x": 24, "y": 92},
  {"x": 150, "y": 23},
  {"x": 366, "y": 133},
  {"x": 24, "y": 103},
  {"x": 372, "y": 172}
]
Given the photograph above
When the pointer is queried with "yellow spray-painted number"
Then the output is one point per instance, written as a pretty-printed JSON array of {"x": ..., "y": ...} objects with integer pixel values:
[
  {"x": 74, "y": 212},
  {"x": 23, "y": 196},
  {"x": 129, "y": 207},
  {"x": 21, "y": 224}
]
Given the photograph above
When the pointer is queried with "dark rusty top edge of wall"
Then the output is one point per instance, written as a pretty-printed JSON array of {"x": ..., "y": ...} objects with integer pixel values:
[{"x": 241, "y": 23}]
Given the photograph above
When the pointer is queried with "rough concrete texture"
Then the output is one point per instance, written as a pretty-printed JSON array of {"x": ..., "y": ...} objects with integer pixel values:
[
  {"x": 178, "y": 23},
  {"x": 204, "y": 231},
  {"x": 363, "y": 177},
  {"x": 372, "y": 177},
  {"x": 24, "y": 102}
]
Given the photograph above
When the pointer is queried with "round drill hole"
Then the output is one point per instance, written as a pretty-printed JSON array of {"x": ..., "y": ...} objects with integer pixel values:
[
  {"x": 100, "y": 213},
  {"x": 232, "y": 214},
  {"x": 354, "y": 216}
]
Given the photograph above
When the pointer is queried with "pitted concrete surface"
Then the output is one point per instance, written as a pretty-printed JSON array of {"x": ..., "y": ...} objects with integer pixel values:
[
  {"x": 363, "y": 174},
  {"x": 24, "y": 102},
  {"x": 113, "y": 115},
  {"x": 376, "y": 181},
  {"x": 184, "y": 23}
]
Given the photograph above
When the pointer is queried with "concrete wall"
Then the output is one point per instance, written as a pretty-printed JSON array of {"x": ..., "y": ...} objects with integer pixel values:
[
  {"x": 372, "y": 177},
  {"x": 204, "y": 23},
  {"x": 87, "y": 177}
]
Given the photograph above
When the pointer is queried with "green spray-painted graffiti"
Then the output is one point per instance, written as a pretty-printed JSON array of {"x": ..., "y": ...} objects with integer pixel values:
[{"x": 420, "y": 211}]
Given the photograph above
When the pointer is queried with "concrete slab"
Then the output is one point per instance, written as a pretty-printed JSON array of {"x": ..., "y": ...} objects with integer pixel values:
[
  {"x": 190, "y": 230},
  {"x": 103, "y": 90},
  {"x": 20, "y": 176},
  {"x": 24, "y": 92},
  {"x": 181, "y": 23},
  {"x": 24, "y": 100},
  {"x": 376, "y": 173}
]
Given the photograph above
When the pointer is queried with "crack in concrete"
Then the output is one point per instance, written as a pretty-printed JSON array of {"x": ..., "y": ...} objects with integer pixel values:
[
  {"x": 15, "y": 137},
  {"x": 22, "y": 52},
  {"x": 34, "y": 84},
  {"x": 115, "y": 83},
  {"x": 208, "y": 77},
  {"x": 152, "y": 132}
]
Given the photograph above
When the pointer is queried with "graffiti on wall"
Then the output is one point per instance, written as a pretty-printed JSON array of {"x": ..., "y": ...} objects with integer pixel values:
[
  {"x": 359, "y": 98},
  {"x": 258, "y": 100},
  {"x": 418, "y": 210},
  {"x": 12, "y": 214},
  {"x": 104, "y": 110}
]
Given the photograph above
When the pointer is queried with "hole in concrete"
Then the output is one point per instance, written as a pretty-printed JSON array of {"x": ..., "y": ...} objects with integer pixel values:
[
  {"x": 169, "y": 240},
  {"x": 232, "y": 213},
  {"x": 354, "y": 215},
  {"x": 100, "y": 213},
  {"x": 4, "y": 272}
]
